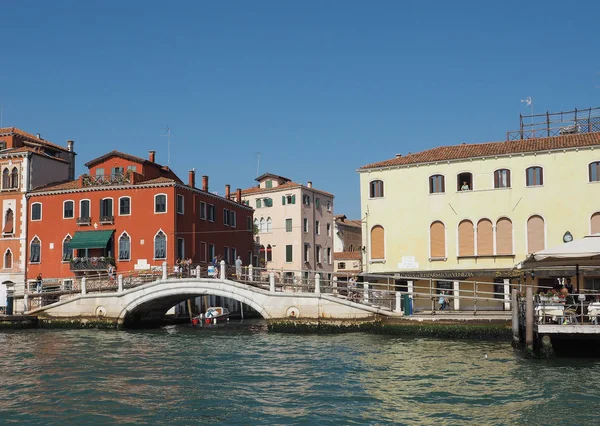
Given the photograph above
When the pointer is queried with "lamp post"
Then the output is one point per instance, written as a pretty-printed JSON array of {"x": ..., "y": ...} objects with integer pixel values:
[{"x": 532, "y": 278}]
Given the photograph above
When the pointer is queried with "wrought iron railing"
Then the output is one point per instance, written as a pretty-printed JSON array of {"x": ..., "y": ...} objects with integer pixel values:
[
  {"x": 107, "y": 220},
  {"x": 90, "y": 264},
  {"x": 84, "y": 221},
  {"x": 112, "y": 179}
]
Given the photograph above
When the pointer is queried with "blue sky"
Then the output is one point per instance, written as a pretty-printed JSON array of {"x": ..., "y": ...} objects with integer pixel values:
[{"x": 318, "y": 88}]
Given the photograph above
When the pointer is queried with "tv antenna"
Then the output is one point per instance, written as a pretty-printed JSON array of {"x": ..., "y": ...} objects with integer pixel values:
[
  {"x": 257, "y": 162},
  {"x": 168, "y": 135},
  {"x": 529, "y": 102}
]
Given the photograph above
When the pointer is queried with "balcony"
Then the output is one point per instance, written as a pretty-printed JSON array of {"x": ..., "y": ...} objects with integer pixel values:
[
  {"x": 106, "y": 180},
  {"x": 107, "y": 220},
  {"x": 84, "y": 264},
  {"x": 84, "y": 221}
]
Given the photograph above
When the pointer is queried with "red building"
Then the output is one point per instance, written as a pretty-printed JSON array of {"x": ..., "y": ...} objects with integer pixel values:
[{"x": 135, "y": 214}]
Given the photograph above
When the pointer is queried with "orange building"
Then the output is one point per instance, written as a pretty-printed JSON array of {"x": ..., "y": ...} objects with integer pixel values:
[
  {"x": 132, "y": 213},
  {"x": 26, "y": 161}
]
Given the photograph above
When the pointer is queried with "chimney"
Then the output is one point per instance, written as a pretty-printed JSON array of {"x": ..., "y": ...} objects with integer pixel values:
[
  {"x": 152, "y": 156},
  {"x": 238, "y": 195},
  {"x": 38, "y": 136},
  {"x": 192, "y": 178},
  {"x": 70, "y": 146},
  {"x": 228, "y": 191},
  {"x": 205, "y": 183},
  {"x": 309, "y": 184}
]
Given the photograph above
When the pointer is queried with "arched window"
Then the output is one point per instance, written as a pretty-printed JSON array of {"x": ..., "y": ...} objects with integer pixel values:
[
  {"x": 124, "y": 247},
  {"x": 8, "y": 259},
  {"x": 160, "y": 245},
  {"x": 595, "y": 223},
  {"x": 437, "y": 240},
  {"x": 5, "y": 179},
  {"x": 9, "y": 223},
  {"x": 14, "y": 178},
  {"x": 485, "y": 238},
  {"x": 269, "y": 253},
  {"x": 160, "y": 203},
  {"x": 262, "y": 228},
  {"x": 502, "y": 178},
  {"x": 536, "y": 240},
  {"x": 376, "y": 189},
  {"x": 594, "y": 170},
  {"x": 35, "y": 250},
  {"x": 466, "y": 238},
  {"x": 464, "y": 181},
  {"x": 534, "y": 176},
  {"x": 269, "y": 224},
  {"x": 67, "y": 253},
  {"x": 504, "y": 236},
  {"x": 436, "y": 184},
  {"x": 377, "y": 242}
]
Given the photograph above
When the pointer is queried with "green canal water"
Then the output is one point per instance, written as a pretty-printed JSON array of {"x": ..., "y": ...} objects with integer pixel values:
[{"x": 241, "y": 374}]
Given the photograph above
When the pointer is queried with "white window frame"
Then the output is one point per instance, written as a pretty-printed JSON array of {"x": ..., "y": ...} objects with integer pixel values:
[
  {"x": 328, "y": 206},
  {"x": 182, "y": 198},
  {"x": 118, "y": 256},
  {"x": 62, "y": 253},
  {"x": 89, "y": 208},
  {"x": 112, "y": 205},
  {"x": 166, "y": 203},
  {"x": 41, "y": 212},
  {"x": 329, "y": 229},
  {"x": 128, "y": 214},
  {"x": 226, "y": 217},
  {"x": 203, "y": 210},
  {"x": 317, "y": 227},
  {"x": 208, "y": 208},
  {"x": 64, "y": 203},
  {"x": 232, "y": 218},
  {"x": 318, "y": 253},
  {"x": 29, "y": 251},
  {"x": 166, "y": 245},
  {"x": 12, "y": 260},
  {"x": 305, "y": 225}
]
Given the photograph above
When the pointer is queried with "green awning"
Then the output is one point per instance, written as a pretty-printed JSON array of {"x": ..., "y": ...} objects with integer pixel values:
[{"x": 90, "y": 239}]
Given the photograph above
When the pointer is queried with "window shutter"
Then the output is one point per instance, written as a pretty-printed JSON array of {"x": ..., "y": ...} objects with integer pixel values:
[
  {"x": 294, "y": 199},
  {"x": 317, "y": 203},
  {"x": 283, "y": 200},
  {"x": 258, "y": 203},
  {"x": 595, "y": 223},
  {"x": 466, "y": 238},
  {"x": 504, "y": 240},
  {"x": 535, "y": 234},
  {"x": 377, "y": 242},
  {"x": 437, "y": 240},
  {"x": 8, "y": 225},
  {"x": 485, "y": 238}
]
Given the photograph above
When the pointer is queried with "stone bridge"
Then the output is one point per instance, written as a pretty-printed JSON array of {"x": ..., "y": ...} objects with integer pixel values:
[{"x": 149, "y": 302}]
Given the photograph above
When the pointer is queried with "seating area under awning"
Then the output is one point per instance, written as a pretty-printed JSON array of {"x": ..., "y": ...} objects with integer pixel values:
[{"x": 90, "y": 239}]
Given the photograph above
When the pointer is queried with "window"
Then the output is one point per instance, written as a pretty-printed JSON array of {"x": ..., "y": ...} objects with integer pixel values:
[
  {"x": 117, "y": 171},
  {"x": 68, "y": 210},
  {"x": 269, "y": 253},
  {"x": 595, "y": 223},
  {"x": 211, "y": 252},
  {"x": 9, "y": 223},
  {"x": 268, "y": 202},
  {"x": 318, "y": 253},
  {"x": 233, "y": 254},
  {"x": 226, "y": 217},
  {"x": 317, "y": 203},
  {"x": 180, "y": 204},
  {"x": 534, "y": 176},
  {"x": 328, "y": 206},
  {"x": 288, "y": 225},
  {"x": 106, "y": 208},
  {"x": 5, "y": 179},
  {"x": 132, "y": 168},
  {"x": 2, "y": 145},
  {"x": 436, "y": 184},
  {"x": 203, "y": 251},
  {"x": 376, "y": 189},
  {"x": 202, "y": 210},
  {"x": 437, "y": 240},
  {"x": 36, "y": 211},
  {"x": 317, "y": 227},
  {"x": 329, "y": 229},
  {"x": 124, "y": 247},
  {"x": 536, "y": 240},
  {"x": 288, "y": 199},
  {"x": 160, "y": 245},
  {"x": 464, "y": 182},
  {"x": 466, "y": 238},
  {"x": 341, "y": 265},
  {"x": 100, "y": 172},
  {"x": 329, "y": 255},
  {"x": 261, "y": 226},
  {"x": 249, "y": 223},
  {"x": 377, "y": 242},
  {"x": 305, "y": 225},
  {"x": 14, "y": 178},
  {"x": 67, "y": 253},
  {"x": 306, "y": 200},
  {"x": 84, "y": 209},
  {"x": 502, "y": 178},
  {"x": 269, "y": 184},
  {"x": 124, "y": 206},
  {"x": 485, "y": 238},
  {"x": 35, "y": 249},
  {"x": 181, "y": 248},
  {"x": 269, "y": 224},
  {"x": 288, "y": 254},
  {"x": 8, "y": 259},
  {"x": 160, "y": 203},
  {"x": 211, "y": 213},
  {"x": 595, "y": 171},
  {"x": 504, "y": 236},
  {"x": 258, "y": 203},
  {"x": 306, "y": 253},
  {"x": 232, "y": 218}
]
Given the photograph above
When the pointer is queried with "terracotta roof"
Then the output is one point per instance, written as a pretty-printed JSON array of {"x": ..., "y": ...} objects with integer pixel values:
[
  {"x": 347, "y": 255},
  {"x": 266, "y": 175},
  {"x": 287, "y": 185},
  {"x": 341, "y": 219},
  {"x": 33, "y": 138},
  {"x": 463, "y": 151},
  {"x": 115, "y": 153},
  {"x": 24, "y": 149},
  {"x": 74, "y": 184}
]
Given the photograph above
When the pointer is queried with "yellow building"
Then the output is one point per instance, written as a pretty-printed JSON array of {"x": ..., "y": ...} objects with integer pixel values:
[{"x": 471, "y": 212}]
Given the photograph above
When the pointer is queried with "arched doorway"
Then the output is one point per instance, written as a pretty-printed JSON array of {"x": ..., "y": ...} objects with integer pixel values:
[{"x": 6, "y": 297}]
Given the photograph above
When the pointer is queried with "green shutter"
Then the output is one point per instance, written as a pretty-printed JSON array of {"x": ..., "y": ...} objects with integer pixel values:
[
  {"x": 269, "y": 184},
  {"x": 288, "y": 254},
  {"x": 283, "y": 200},
  {"x": 317, "y": 202},
  {"x": 294, "y": 199},
  {"x": 258, "y": 203}
]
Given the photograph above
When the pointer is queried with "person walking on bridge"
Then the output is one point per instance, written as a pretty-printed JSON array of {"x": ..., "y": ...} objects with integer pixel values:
[{"x": 238, "y": 268}]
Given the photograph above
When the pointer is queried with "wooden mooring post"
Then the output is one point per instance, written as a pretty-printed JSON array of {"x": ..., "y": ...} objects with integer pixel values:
[
  {"x": 515, "y": 317},
  {"x": 529, "y": 318}
]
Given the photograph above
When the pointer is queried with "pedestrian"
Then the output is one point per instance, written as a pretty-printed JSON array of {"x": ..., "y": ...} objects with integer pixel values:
[
  {"x": 38, "y": 283},
  {"x": 177, "y": 268},
  {"x": 238, "y": 268},
  {"x": 111, "y": 272},
  {"x": 215, "y": 265},
  {"x": 442, "y": 300}
]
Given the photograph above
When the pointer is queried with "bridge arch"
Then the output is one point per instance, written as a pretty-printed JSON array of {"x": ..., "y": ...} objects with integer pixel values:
[{"x": 175, "y": 291}]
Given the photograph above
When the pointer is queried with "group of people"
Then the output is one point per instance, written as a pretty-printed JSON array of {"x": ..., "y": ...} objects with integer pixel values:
[
  {"x": 183, "y": 267},
  {"x": 216, "y": 264}
]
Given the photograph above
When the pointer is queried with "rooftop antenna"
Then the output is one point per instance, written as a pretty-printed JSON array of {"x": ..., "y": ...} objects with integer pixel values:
[
  {"x": 529, "y": 102},
  {"x": 168, "y": 135},
  {"x": 257, "y": 162}
]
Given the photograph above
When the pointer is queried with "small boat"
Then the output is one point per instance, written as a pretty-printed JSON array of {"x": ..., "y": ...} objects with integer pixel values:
[{"x": 213, "y": 315}]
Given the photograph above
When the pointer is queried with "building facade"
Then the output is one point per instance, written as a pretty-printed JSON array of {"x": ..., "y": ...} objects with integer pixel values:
[
  {"x": 293, "y": 225},
  {"x": 132, "y": 213},
  {"x": 473, "y": 211},
  {"x": 26, "y": 161},
  {"x": 347, "y": 234}
]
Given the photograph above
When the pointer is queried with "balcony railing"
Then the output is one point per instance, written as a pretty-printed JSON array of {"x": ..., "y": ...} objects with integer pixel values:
[
  {"x": 91, "y": 264},
  {"x": 107, "y": 220},
  {"x": 113, "y": 179},
  {"x": 84, "y": 221}
]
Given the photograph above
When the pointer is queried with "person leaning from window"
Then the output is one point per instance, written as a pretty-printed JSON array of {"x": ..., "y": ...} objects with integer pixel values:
[{"x": 465, "y": 186}]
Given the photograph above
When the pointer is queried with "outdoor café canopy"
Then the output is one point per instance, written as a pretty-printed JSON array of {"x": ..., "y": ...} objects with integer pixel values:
[{"x": 582, "y": 252}]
